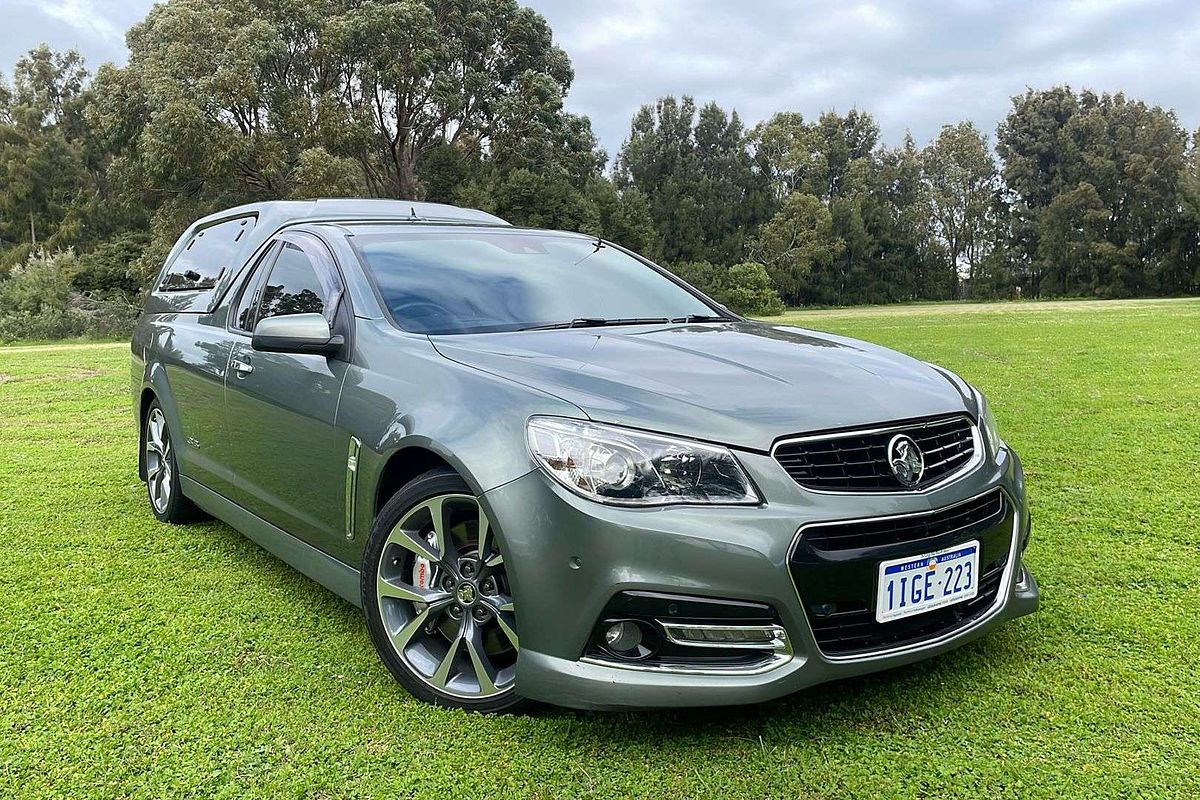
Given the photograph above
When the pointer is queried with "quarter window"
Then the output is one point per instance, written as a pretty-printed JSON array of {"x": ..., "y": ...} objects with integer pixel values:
[
  {"x": 208, "y": 255},
  {"x": 298, "y": 286}
]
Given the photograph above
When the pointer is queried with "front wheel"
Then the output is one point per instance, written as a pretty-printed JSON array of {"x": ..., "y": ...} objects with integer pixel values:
[{"x": 437, "y": 599}]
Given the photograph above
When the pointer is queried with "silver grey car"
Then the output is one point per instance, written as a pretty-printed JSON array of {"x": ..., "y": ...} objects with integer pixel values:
[{"x": 548, "y": 470}]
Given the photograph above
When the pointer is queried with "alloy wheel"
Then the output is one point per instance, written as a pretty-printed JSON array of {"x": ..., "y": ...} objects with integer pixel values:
[
  {"x": 159, "y": 468},
  {"x": 443, "y": 596}
]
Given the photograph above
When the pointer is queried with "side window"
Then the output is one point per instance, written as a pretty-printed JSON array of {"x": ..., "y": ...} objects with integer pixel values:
[
  {"x": 242, "y": 315},
  {"x": 298, "y": 286},
  {"x": 207, "y": 256}
]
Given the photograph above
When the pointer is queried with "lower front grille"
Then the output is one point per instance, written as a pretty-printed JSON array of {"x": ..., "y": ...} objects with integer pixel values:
[
  {"x": 835, "y": 568},
  {"x": 855, "y": 632}
]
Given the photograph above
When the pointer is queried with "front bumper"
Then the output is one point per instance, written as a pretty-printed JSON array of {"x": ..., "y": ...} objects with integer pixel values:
[{"x": 568, "y": 557}]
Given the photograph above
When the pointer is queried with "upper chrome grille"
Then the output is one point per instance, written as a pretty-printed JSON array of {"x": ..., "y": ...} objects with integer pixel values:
[{"x": 856, "y": 460}]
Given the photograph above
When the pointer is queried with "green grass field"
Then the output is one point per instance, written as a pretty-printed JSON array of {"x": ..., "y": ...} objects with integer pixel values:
[{"x": 141, "y": 660}]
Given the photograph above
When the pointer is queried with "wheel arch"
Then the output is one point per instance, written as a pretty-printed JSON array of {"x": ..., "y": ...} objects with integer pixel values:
[
  {"x": 148, "y": 396},
  {"x": 155, "y": 387},
  {"x": 409, "y": 459},
  {"x": 406, "y": 463}
]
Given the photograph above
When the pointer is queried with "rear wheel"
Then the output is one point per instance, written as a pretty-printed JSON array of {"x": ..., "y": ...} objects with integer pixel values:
[
  {"x": 437, "y": 599},
  {"x": 162, "y": 471}
]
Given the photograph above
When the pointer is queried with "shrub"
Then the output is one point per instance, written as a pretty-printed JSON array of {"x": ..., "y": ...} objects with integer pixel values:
[
  {"x": 704, "y": 275},
  {"x": 105, "y": 270},
  {"x": 748, "y": 290},
  {"x": 745, "y": 288},
  {"x": 38, "y": 300}
]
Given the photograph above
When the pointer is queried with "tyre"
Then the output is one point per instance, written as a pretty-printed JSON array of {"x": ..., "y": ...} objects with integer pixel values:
[
  {"x": 162, "y": 472},
  {"x": 437, "y": 599}
]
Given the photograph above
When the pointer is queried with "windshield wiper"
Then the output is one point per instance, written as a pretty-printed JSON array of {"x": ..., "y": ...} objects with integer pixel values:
[
  {"x": 701, "y": 318},
  {"x": 596, "y": 322}
]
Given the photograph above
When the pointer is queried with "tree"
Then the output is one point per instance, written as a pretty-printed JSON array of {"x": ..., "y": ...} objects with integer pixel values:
[
  {"x": 319, "y": 174},
  {"x": 659, "y": 160},
  {"x": 220, "y": 105},
  {"x": 1131, "y": 154},
  {"x": 624, "y": 217},
  {"x": 42, "y": 168},
  {"x": 216, "y": 103},
  {"x": 749, "y": 290},
  {"x": 962, "y": 183},
  {"x": 1183, "y": 240},
  {"x": 910, "y": 263},
  {"x": 794, "y": 241},
  {"x": 1072, "y": 251},
  {"x": 877, "y": 204},
  {"x": 745, "y": 288},
  {"x": 844, "y": 142},
  {"x": 786, "y": 154},
  {"x": 697, "y": 176},
  {"x": 47, "y": 89},
  {"x": 543, "y": 181}
]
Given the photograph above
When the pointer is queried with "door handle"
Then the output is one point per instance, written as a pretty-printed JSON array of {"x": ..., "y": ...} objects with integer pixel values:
[{"x": 242, "y": 368}]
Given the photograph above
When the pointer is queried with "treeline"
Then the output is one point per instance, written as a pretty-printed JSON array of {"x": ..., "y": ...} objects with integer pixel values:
[{"x": 1077, "y": 194}]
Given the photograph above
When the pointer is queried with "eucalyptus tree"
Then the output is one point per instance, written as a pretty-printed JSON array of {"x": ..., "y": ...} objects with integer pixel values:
[
  {"x": 224, "y": 102},
  {"x": 43, "y": 174},
  {"x": 223, "y": 97},
  {"x": 962, "y": 183},
  {"x": 798, "y": 240},
  {"x": 786, "y": 153}
]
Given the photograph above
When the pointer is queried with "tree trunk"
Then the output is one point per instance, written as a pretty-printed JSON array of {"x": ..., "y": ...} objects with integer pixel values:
[{"x": 407, "y": 186}]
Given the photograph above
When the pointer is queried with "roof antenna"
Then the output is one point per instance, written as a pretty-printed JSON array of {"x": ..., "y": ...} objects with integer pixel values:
[
  {"x": 413, "y": 212},
  {"x": 596, "y": 247}
]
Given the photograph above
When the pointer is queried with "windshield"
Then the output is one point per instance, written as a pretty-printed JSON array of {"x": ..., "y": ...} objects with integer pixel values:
[{"x": 475, "y": 281}]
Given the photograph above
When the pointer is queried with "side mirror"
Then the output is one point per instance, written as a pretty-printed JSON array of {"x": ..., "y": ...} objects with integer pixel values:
[{"x": 296, "y": 333}]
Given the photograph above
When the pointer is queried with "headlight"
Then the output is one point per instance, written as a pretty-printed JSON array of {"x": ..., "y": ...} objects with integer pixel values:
[
  {"x": 624, "y": 467},
  {"x": 991, "y": 436}
]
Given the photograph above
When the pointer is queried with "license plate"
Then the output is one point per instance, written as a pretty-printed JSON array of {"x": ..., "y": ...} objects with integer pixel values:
[{"x": 916, "y": 584}]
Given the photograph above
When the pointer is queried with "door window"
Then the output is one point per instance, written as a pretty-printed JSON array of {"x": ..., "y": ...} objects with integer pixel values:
[
  {"x": 242, "y": 316},
  {"x": 297, "y": 285}
]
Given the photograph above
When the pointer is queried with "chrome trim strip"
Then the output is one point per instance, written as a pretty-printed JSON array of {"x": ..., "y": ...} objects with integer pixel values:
[
  {"x": 961, "y": 472},
  {"x": 776, "y": 636},
  {"x": 773, "y": 662},
  {"x": 1002, "y": 593},
  {"x": 1022, "y": 583},
  {"x": 351, "y": 484}
]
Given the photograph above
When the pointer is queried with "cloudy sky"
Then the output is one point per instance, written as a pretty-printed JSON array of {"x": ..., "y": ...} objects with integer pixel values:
[{"x": 915, "y": 65}]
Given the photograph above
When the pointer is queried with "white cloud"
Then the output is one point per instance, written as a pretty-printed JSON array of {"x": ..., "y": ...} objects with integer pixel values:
[
  {"x": 916, "y": 66},
  {"x": 85, "y": 16}
]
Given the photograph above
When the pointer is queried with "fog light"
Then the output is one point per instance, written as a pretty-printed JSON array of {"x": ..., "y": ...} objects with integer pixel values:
[{"x": 623, "y": 637}]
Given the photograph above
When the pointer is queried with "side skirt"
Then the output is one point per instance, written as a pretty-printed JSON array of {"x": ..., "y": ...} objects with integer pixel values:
[{"x": 339, "y": 578}]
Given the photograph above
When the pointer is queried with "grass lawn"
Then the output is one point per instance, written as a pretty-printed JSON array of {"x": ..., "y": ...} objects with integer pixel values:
[{"x": 143, "y": 660}]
